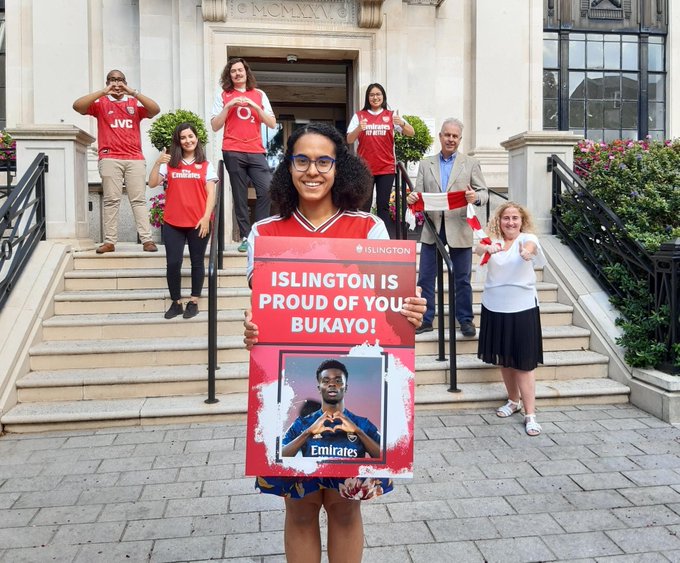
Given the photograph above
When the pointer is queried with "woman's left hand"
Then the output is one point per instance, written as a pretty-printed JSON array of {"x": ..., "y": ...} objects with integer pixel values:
[
  {"x": 527, "y": 251},
  {"x": 414, "y": 308},
  {"x": 203, "y": 227}
]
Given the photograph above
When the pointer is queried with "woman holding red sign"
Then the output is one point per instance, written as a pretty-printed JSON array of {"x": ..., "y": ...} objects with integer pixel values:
[
  {"x": 374, "y": 127},
  {"x": 318, "y": 188}
]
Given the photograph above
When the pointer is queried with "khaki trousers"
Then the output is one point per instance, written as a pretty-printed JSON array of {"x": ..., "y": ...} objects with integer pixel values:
[{"x": 114, "y": 174}]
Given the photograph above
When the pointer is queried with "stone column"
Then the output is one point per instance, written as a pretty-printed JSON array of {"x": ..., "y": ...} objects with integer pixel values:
[
  {"x": 529, "y": 181},
  {"x": 66, "y": 187}
]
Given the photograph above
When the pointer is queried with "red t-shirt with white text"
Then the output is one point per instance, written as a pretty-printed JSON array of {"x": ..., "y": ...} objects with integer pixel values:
[{"x": 118, "y": 127}]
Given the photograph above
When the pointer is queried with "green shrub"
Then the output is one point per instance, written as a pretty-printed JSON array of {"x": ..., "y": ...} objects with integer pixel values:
[
  {"x": 162, "y": 128},
  {"x": 640, "y": 182},
  {"x": 412, "y": 149}
]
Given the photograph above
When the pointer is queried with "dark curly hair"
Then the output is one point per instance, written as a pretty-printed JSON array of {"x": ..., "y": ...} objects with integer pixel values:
[
  {"x": 353, "y": 181},
  {"x": 225, "y": 77}
]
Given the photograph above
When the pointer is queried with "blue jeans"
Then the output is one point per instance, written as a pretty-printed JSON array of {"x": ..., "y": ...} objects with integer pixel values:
[{"x": 462, "y": 269}]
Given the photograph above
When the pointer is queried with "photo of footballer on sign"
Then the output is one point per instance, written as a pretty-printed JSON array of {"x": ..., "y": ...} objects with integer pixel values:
[{"x": 332, "y": 374}]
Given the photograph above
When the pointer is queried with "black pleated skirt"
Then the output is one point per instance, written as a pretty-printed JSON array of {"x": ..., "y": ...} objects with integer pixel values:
[{"x": 511, "y": 340}]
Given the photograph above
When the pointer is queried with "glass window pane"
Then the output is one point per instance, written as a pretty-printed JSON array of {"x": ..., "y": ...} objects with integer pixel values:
[
  {"x": 550, "y": 54},
  {"x": 577, "y": 88},
  {"x": 612, "y": 86},
  {"x": 612, "y": 55},
  {"x": 629, "y": 56},
  {"x": 629, "y": 134},
  {"x": 595, "y": 55},
  {"x": 657, "y": 88},
  {"x": 656, "y": 116},
  {"x": 630, "y": 89},
  {"x": 550, "y": 84},
  {"x": 656, "y": 135},
  {"x": 577, "y": 53},
  {"x": 612, "y": 115},
  {"x": 595, "y": 134},
  {"x": 594, "y": 85},
  {"x": 576, "y": 115},
  {"x": 655, "y": 57},
  {"x": 629, "y": 115},
  {"x": 549, "y": 114},
  {"x": 611, "y": 135},
  {"x": 595, "y": 115}
]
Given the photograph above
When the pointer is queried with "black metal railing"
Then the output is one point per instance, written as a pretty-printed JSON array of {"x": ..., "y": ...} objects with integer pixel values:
[
  {"x": 403, "y": 182},
  {"x": 215, "y": 264},
  {"x": 496, "y": 197},
  {"x": 22, "y": 224},
  {"x": 601, "y": 241},
  {"x": 8, "y": 167}
]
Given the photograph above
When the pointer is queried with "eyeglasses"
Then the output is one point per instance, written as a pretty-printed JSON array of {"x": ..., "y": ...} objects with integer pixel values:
[
  {"x": 375, "y": 95},
  {"x": 117, "y": 79},
  {"x": 301, "y": 163}
]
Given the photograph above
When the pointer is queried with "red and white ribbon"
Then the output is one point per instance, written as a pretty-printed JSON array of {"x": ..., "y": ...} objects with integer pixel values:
[{"x": 448, "y": 201}]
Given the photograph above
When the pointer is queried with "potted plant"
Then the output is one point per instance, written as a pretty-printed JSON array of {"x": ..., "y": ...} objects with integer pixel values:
[{"x": 412, "y": 149}]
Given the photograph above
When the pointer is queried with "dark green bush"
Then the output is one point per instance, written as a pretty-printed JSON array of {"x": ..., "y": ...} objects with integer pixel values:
[
  {"x": 640, "y": 182},
  {"x": 412, "y": 149}
]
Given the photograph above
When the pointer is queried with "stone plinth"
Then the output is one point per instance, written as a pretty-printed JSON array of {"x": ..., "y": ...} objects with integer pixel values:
[
  {"x": 66, "y": 187},
  {"x": 529, "y": 181}
]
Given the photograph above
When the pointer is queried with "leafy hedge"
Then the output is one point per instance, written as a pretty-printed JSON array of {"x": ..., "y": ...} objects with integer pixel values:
[{"x": 640, "y": 182}]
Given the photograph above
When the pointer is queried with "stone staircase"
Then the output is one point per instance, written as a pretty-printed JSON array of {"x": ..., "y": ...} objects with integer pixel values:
[{"x": 108, "y": 356}]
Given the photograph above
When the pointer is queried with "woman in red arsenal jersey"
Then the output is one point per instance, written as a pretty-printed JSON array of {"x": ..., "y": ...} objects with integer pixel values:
[
  {"x": 318, "y": 187},
  {"x": 374, "y": 127},
  {"x": 189, "y": 201}
]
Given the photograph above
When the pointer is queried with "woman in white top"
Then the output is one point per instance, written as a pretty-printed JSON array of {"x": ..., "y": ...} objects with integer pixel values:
[{"x": 510, "y": 334}]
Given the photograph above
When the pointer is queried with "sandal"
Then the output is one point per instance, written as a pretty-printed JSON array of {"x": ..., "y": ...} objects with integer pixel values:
[
  {"x": 532, "y": 427},
  {"x": 509, "y": 408}
]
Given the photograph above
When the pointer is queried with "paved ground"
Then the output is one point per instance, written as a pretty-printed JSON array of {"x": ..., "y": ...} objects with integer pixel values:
[{"x": 601, "y": 484}]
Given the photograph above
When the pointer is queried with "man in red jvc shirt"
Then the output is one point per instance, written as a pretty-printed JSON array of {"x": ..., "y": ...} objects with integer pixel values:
[{"x": 119, "y": 109}]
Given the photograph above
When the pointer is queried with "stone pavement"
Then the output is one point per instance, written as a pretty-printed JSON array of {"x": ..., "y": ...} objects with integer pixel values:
[{"x": 601, "y": 484}]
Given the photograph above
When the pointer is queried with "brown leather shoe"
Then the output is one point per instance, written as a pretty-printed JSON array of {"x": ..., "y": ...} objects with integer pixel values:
[
  {"x": 150, "y": 246},
  {"x": 106, "y": 247}
]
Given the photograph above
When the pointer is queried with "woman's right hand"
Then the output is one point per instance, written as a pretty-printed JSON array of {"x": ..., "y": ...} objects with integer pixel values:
[
  {"x": 164, "y": 157},
  {"x": 250, "y": 331}
]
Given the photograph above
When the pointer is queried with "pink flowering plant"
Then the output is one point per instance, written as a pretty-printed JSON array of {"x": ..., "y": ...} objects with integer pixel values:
[
  {"x": 157, "y": 209},
  {"x": 8, "y": 150}
]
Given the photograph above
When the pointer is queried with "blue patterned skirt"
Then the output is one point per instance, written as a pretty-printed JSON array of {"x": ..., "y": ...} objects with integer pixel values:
[{"x": 354, "y": 488}]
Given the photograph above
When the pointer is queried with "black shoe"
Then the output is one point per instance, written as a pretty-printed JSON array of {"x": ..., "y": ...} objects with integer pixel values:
[
  {"x": 174, "y": 310},
  {"x": 191, "y": 310},
  {"x": 425, "y": 327},
  {"x": 468, "y": 328}
]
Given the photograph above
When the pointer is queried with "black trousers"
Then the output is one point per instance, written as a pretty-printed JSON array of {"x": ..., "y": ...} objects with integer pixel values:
[
  {"x": 383, "y": 189},
  {"x": 243, "y": 166},
  {"x": 174, "y": 239}
]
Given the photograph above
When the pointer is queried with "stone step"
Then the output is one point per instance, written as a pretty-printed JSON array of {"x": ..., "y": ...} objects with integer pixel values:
[
  {"x": 130, "y": 256},
  {"x": 37, "y": 417},
  {"x": 182, "y": 350},
  {"x": 230, "y": 323},
  {"x": 562, "y": 365},
  {"x": 141, "y": 301},
  {"x": 143, "y": 278},
  {"x": 68, "y": 354},
  {"x": 152, "y": 381},
  {"x": 158, "y": 300}
]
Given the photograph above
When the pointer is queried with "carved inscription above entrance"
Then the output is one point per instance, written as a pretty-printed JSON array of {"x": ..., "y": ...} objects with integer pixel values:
[
  {"x": 335, "y": 12},
  {"x": 364, "y": 13}
]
